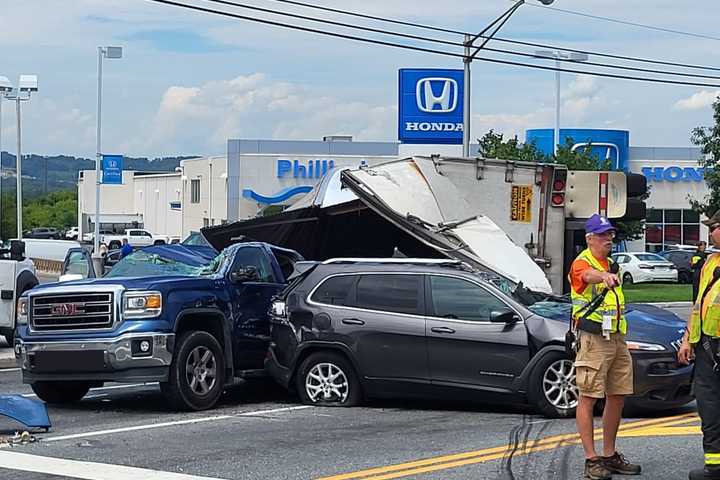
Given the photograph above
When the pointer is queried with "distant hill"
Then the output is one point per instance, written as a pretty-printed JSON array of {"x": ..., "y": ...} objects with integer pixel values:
[{"x": 60, "y": 172}]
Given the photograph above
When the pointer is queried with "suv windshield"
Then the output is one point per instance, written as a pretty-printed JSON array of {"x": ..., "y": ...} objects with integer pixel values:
[
  {"x": 551, "y": 309},
  {"x": 144, "y": 264}
]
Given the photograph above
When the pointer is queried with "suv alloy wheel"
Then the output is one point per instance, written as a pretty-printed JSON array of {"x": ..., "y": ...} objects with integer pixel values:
[
  {"x": 328, "y": 379},
  {"x": 197, "y": 372},
  {"x": 552, "y": 387}
]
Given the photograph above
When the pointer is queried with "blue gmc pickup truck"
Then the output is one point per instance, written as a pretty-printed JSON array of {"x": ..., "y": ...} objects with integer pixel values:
[{"x": 183, "y": 316}]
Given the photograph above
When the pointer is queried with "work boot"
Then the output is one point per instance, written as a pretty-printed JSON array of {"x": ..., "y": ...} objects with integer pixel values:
[
  {"x": 705, "y": 474},
  {"x": 617, "y": 463},
  {"x": 595, "y": 470}
]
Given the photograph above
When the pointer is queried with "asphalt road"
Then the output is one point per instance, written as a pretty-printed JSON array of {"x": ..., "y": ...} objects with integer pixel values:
[{"x": 261, "y": 432}]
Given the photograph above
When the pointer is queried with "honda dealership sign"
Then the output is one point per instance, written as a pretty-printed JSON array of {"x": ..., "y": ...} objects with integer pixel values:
[{"x": 430, "y": 106}]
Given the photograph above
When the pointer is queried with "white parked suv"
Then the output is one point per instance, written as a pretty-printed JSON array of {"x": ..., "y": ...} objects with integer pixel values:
[
  {"x": 637, "y": 267},
  {"x": 136, "y": 237},
  {"x": 72, "y": 234}
]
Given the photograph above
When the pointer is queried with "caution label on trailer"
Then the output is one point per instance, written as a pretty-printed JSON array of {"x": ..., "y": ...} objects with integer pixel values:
[{"x": 521, "y": 203}]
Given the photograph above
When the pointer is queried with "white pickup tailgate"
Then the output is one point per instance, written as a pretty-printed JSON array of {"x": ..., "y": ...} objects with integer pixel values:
[{"x": 7, "y": 284}]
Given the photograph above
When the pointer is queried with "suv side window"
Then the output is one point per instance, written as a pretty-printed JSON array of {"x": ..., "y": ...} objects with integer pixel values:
[
  {"x": 254, "y": 257},
  {"x": 463, "y": 300},
  {"x": 335, "y": 290},
  {"x": 390, "y": 293}
]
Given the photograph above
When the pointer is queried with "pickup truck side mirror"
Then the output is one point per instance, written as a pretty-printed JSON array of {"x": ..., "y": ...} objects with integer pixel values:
[
  {"x": 504, "y": 315},
  {"x": 244, "y": 274}
]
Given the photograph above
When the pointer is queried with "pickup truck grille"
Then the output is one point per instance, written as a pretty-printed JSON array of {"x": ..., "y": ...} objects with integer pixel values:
[{"x": 72, "y": 311}]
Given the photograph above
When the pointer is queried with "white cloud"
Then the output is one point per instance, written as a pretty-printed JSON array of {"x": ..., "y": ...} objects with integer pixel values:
[
  {"x": 698, "y": 101},
  {"x": 255, "y": 106},
  {"x": 162, "y": 103}
]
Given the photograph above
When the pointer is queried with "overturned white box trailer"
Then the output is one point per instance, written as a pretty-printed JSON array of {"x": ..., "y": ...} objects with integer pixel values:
[{"x": 506, "y": 217}]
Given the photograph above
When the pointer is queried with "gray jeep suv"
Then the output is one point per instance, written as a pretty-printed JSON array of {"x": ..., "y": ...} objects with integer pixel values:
[{"x": 348, "y": 329}]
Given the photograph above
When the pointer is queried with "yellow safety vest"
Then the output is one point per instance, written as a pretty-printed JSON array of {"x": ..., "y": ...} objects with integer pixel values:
[
  {"x": 711, "y": 304},
  {"x": 613, "y": 303},
  {"x": 695, "y": 259}
]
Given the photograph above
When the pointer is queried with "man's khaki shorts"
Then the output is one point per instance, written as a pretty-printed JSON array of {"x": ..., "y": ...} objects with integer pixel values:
[{"x": 603, "y": 367}]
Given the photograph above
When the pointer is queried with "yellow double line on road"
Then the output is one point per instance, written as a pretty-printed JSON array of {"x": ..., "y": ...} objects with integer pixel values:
[{"x": 485, "y": 455}]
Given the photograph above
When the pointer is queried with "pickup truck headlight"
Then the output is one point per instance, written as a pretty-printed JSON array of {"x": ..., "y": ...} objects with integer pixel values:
[
  {"x": 22, "y": 311},
  {"x": 646, "y": 347},
  {"x": 142, "y": 304}
]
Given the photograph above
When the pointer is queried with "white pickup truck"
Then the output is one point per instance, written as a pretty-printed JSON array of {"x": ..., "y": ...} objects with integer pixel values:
[{"x": 136, "y": 237}]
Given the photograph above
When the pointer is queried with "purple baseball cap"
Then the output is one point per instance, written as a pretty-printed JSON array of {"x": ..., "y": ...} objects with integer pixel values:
[{"x": 598, "y": 224}]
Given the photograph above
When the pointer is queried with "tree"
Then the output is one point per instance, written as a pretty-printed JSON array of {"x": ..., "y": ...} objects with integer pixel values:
[
  {"x": 56, "y": 209},
  {"x": 708, "y": 139},
  {"x": 493, "y": 145}
]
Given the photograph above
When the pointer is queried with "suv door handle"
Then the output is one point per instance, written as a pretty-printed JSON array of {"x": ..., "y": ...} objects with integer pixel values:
[
  {"x": 352, "y": 321},
  {"x": 442, "y": 330}
]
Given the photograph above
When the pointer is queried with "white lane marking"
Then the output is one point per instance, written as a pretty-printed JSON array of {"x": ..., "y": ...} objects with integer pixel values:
[
  {"x": 86, "y": 470},
  {"x": 2, "y": 370},
  {"x": 174, "y": 423},
  {"x": 113, "y": 387}
]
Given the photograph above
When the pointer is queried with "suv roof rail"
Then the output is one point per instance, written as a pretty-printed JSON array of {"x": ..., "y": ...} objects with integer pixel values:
[{"x": 418, "y": 261}]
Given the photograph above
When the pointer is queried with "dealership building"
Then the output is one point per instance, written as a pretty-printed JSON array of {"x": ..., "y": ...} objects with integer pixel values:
[
  {"x": 674, "y": 176},
  {"x": 260, "y": 177},
  {"x": 256, "y": 177}
]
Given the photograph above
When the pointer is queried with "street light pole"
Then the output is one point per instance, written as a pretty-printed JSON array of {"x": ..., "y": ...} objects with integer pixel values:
[
  {"x": 19, "y": 168},
  {"x": 556, "y": 136},
  {"x": 468, "y": 58},
  {"x": 5, "y": 88},
  {"x": 98, "y": 156},
  {"x": 27, "y": 84},
  {"x": 559, "y": 56},
  {"x": 466, "y": 97},
  {"x": 107, "y": 52},
  {"x": 2, "y": 96}
]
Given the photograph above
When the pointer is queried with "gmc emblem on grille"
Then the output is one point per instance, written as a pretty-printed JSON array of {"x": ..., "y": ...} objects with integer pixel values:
[{"x": 65, "y": 309}]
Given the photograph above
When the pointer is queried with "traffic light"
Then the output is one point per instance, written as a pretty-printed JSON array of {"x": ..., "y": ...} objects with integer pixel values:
[
  {"x": 635, "y": 204},
  {"x": 557, "y": 197}
]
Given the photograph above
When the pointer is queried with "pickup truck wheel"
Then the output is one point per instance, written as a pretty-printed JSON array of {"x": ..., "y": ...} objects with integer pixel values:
[
  {"x": 197, "y": 372},
  {"x": 328, "y": 379},
  {"x": 552, "y": 387},
  {"x": 60, "y": 392}
]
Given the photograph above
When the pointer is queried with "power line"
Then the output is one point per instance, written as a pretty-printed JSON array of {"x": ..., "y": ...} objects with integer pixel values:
[
  {"x": 435, "y": 40},
  {"x": 338, "y": 24},
  {"x": 372, "y": 17},
  {"x": 608, "y": 55},
  {"x": 606, "y": 65},
  {"x": 427, "y": 50},
  {"x": 499, "y": 39},
  {"x": 632, "y": 24}
]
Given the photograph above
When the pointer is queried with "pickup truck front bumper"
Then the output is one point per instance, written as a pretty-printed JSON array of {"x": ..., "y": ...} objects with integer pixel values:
[{"x": 132, "y": 357}]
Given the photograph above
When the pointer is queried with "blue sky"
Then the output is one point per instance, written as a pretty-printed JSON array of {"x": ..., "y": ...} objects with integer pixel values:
[{"x": 189, "y": 80}]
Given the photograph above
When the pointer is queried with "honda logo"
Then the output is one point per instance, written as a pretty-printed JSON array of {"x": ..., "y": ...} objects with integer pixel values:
[{"x": 446, "y": 98}]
